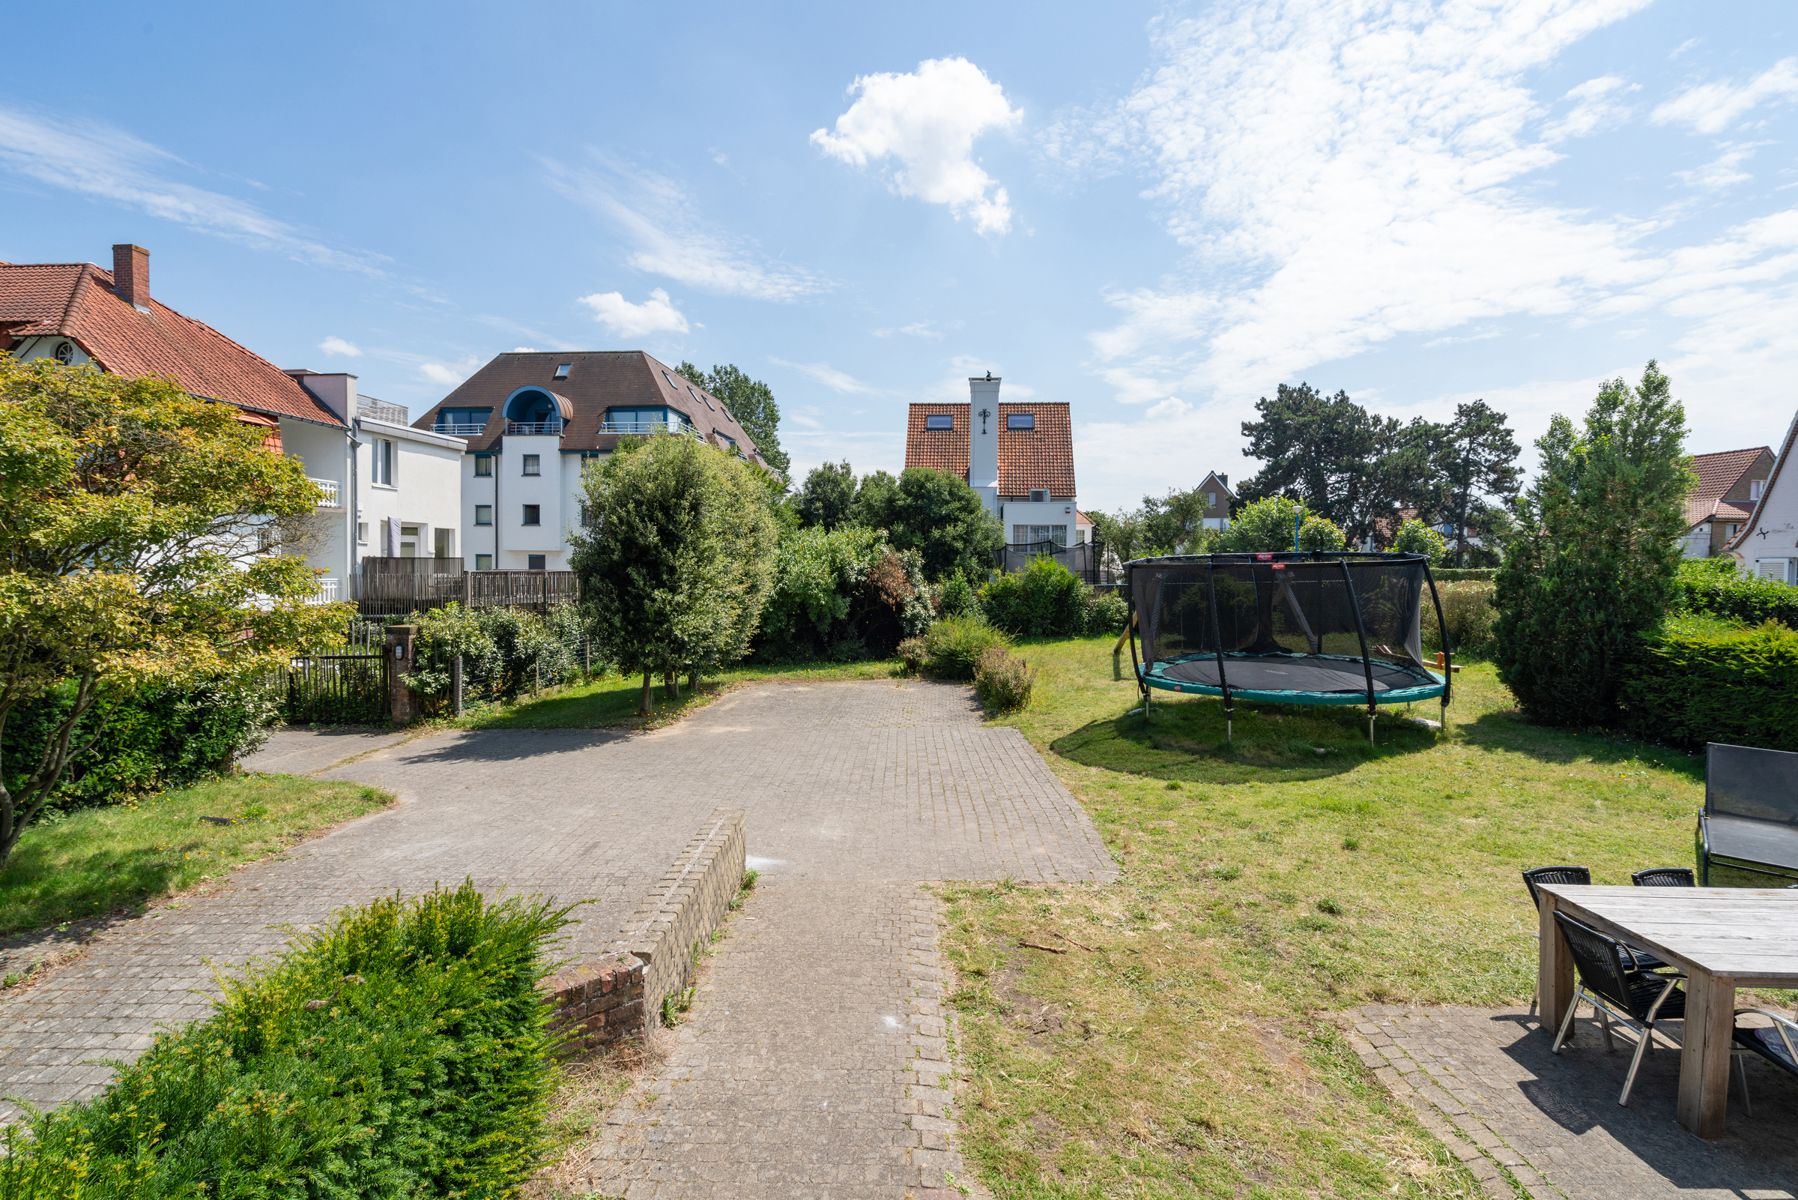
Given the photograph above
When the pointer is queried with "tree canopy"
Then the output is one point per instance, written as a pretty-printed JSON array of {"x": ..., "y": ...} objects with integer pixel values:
[
  {"x": 1267, "y": 524},
  {"x": 677, "y": 558},
  {"x": 1477, "y": 461},
  {"x": 826, "y": 497},
  {"x": 750, "y": 401},
  {"x": 135, "y": 522},
  {"x": 1591, "y": 565},
  {"x": 936, "y": 514}
]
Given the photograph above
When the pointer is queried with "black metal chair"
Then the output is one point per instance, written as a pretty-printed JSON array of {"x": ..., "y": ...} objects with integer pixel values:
[
  {"x": 1534, "y": 877},
  {"x": 1665, "y": 877},
  {"x": 1617, "y": 991},
  {"x": 1777, "y": 1043}
]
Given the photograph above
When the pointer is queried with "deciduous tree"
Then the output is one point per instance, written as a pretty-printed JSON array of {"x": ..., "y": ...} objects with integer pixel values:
[
  {"x": 750, "y": 401},
  {"x": 826, "y": 496},
  {"x": 134, "y": 521},
  {"x": 1268, "y": 524},
  {"x": 936, "y": 514}
]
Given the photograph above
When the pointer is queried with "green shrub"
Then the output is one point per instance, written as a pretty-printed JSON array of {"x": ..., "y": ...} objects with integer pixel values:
[
  {"x": 1001, "y": 681},
  {"x": 841, "y": 593},
  {"x": 1699, "y": 679},
  {"x": 1266, "y": 524},
  {"x": 505, "y": 651},
  {"x": 1106, "y": 612},
  {"x": 957, "y": 598},
  {"x": 1715, "y": 586},
  {"x": 1468, "y": 612},
  {"x": 403, "y": 1051},
  {"x": 953, "y": 646},
  {"x": 1457, "y": 574},
  {"x": 1415, "y": 537},
  {"x": 156, "y": 736},
  {"x": 913, "y": 653},
  {"x": 1045, "y": 599}
]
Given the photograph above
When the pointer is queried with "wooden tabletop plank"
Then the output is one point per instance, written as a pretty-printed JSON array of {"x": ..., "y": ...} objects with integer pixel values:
[{"x": 1749, "y": 933}]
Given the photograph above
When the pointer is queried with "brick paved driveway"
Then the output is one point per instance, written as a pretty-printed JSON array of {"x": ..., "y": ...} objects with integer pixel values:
[{"x": 815, "y": 1060}]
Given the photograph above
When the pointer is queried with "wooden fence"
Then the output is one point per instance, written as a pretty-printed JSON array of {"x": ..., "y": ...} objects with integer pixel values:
[{"x": 392, "y": 586}]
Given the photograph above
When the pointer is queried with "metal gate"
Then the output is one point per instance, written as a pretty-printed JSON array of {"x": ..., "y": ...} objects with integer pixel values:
[{"x": 337, "y": 689}]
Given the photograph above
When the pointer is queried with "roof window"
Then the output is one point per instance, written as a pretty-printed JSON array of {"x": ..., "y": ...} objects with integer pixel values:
[
  {"x": 562, "y": 370},
  {"x": 1020, "y": 420},
  {"x": 939, "y": 421}
]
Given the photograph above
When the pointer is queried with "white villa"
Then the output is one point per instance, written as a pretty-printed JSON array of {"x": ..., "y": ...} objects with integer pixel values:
[{"x": 388, "y": 489}]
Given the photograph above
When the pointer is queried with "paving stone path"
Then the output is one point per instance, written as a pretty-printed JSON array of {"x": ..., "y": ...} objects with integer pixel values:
[
  {"x": 1484, "y": 1081},
  {"x": 816, "y": 1063}
]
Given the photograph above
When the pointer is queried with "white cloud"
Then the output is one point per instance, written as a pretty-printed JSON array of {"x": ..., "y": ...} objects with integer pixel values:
[
  {"x": 1724, "y": 171},
  {"x": 105, "y": 162},
  {"x": 338, "y": 347},
  {"x": 929, "y": 330},
  {"x": 629, "y": 320},
  {"x": 828, "y": 376},
  {"x": 1340, "y": 177},
  {"x": 1594, "y": 105},
  {"x": 928, "y": 121},
  {"x": 669, "y": 238},
  {"x": 1714, "y": 107},
  {"x": 449, "y": 374}
]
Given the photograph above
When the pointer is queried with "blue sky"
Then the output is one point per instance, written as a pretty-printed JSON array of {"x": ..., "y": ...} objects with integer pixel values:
[{"x": 1156, "y": 213}]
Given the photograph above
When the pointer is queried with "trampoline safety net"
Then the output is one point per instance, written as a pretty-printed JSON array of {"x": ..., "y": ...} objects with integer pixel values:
[{"x": 1284, "y": 623}]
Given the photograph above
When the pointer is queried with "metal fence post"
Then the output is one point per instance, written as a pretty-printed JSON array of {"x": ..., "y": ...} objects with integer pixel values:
[{"x": 456, "y": 684}]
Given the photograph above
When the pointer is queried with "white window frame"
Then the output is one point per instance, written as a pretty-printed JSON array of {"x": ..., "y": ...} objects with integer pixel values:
[
  {"x": 381, "y": 464},
  {"x": 1025, "y": 535}
]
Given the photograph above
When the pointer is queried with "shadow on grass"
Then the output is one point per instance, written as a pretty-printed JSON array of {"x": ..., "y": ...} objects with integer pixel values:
[
  {"x": 1507, "y": 730},
  {"x": 1185, "y": 741},
  {"x": 43, "y": 888}
]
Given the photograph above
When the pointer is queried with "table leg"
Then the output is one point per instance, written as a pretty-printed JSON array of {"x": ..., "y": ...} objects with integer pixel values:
[
  {"x": 1704, "y": 1058},
  {"x": 1554, "y": 973}
]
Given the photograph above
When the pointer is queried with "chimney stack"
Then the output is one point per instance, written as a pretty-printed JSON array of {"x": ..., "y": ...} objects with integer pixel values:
[
  {"x": 983, "y": 439},
  {"x": 131, "y": 275}
]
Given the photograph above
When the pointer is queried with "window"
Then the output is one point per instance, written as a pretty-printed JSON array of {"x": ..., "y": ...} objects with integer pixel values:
[
  {"x": 462, "y": 422},
  {"x": 1755, "y": 487},
  {"x": 536, "y": 562},
  {"x": 483, "y": 466},
  {"x": 483, "y": 562},
  {"x": 483, "y": 514},
  {"x": 939, "y": 421},
  {"x": 645, "y": 420},
  {"x": 1210, "y": 499},
  {"x": 362, "y": 533},
  {"x": 1785, "y": 570},
  {"x": 1730, "y": 530},
  {"x": 1025, "y": 535},
  {"x": 1020, "y": 420},
  {"x": 533, "y": 515},
  {"x": 443, "y": 543},
  {"x": 1039, "y": 495},
  {"x": 562, "y": 370},
  {"x": 533, "y": 464},
  {"x": 382, "y": 461}
]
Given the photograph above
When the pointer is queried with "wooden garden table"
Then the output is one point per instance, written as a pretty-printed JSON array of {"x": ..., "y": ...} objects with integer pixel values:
[{"x": 1722, "y": 938}]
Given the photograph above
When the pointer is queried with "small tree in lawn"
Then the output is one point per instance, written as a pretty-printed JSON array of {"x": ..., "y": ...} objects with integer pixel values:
[
  {"x": 133, "y": 521},
  {"x": 677, "y": 559},
  {"x": 1414, "y": 537},
  {"x": 1267, "y": 524},
  {"x": 1591, "y": 565}
]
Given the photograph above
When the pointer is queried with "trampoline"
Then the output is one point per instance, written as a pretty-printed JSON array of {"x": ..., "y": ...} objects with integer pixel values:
[{"x": 1297, "y": 627}]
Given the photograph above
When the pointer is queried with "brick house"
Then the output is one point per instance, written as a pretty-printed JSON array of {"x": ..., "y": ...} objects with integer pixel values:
[
  {"x": 1219, "y": 501},
  {"x": 1729, "y": 486}
]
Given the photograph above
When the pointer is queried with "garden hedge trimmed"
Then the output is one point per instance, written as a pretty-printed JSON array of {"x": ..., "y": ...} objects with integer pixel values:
[
  {"x": 1714, "y": 586},
  {"x": 1701, "y": 680},
  {"x": 404, "y": 1051}
]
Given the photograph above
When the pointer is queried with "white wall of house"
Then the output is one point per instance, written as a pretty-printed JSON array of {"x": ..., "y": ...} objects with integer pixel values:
[
  {"x": 329, "y": 544},
  {"x": 517, "y": 493},
  {"x": 418, "y": 514},
  {"x": 1697, "y": 542},
  {"x": 1032, "y": 513},
  {"x": 983, "y": 443},
  {"x": 27, "y": 349},
  {"x": 1770, "y": 549}
]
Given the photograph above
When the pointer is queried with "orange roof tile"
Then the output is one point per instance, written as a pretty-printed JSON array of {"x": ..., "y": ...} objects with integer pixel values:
[
  {"x": 1029, "y": 459},
  {"x": 1718, "y": 474},
  {"x": 77, "y": 301}
]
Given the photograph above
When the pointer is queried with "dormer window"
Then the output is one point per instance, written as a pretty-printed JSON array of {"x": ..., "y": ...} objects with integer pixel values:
[
  {"x": 562, "y": 370},
  {"x": 1755, "y": 487},
  {"x": 940, "y": 421},
  {"x": 1020, "y": 420}
]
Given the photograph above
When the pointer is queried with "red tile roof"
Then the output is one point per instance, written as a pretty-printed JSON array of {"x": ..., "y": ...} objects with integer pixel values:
[
  {"x": 1028, "y": 458},
  {"x": 76, "y": 301},
  {"x": 1718, "y": 475}
]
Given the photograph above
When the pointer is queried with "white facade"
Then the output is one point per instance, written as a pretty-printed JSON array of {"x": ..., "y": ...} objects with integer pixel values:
[
  {"x": 1039, "y": 521},
  {"x": 1768, "y": 547},
  {"x": 522, "y": 512},
  {"x": 983, "y": 442}
]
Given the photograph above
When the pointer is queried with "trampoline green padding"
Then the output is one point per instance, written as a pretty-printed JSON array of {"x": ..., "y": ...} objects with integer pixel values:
[{"x": 1296, "y": 627}]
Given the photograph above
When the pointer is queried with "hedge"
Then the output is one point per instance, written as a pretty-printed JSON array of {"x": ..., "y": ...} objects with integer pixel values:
[
  {"x": 1046, "y": 599},
  {"x": 1699, "y": 680},
  {"x": 1468, "y": 612},
  {"x": 404, "y": 1051},
  {"x": 1451, "y": 574},
  {"x": 1714, "y": 586}
]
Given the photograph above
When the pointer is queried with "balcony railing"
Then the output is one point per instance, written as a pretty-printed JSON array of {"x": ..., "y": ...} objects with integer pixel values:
[
  {"x": 460, "y": 428},
  {"x": 533, "y": 428},
  {"x": 646, "y": 428},
  {"x": 328, "y": 488}
]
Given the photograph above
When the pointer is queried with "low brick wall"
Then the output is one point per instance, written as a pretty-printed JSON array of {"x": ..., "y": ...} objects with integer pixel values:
[{"x": 621, "y": 994}]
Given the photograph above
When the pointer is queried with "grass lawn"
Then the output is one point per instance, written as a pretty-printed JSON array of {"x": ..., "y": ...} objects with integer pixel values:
[
  {"x": 97, "y": 860},
  {"x": 1188, "y": 1044},
  {"x": 612, "y": 699}
]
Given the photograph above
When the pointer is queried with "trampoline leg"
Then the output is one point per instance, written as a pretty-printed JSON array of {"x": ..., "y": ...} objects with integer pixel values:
[
  {"x": 1229, "y": 723},
  {"x": 1370, "y": 712}
]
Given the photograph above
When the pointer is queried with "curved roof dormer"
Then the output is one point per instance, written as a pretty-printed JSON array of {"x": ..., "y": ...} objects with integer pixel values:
[{"x": 535, "y": 410}]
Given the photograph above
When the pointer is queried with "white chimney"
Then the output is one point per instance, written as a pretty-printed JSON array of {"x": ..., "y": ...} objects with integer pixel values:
[{"x": 983, "y": 439}]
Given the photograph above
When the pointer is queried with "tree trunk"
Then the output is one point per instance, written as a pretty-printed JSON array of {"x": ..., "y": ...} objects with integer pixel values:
[
  {"x": 643, "y": 706},
  {"x": 693, "y": 681},
  {"x": 671, "y": 685}
]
